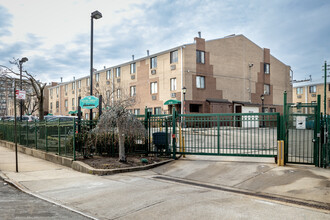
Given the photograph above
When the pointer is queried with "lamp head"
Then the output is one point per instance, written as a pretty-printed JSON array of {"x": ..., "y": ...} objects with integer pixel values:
[
  {"x": 184, "y": 90},
  {"x": 96, "y": 15},
  {"x": 23, "y": 60},
  {"x": 262, "y": 97}
]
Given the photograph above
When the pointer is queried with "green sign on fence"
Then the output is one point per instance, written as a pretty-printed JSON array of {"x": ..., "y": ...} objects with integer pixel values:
[{"x": 89, "y": 102}]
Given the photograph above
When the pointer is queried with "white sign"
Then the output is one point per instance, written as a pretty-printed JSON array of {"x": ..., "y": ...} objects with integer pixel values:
[
  {"x": 301, "y": 122},
  {"x": 20, "y": 94}
]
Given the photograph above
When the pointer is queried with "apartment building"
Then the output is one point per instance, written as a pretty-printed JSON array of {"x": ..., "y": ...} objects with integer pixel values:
[
  {"x": 306, "y": 91},
  {"x": 224, "y": 75}
]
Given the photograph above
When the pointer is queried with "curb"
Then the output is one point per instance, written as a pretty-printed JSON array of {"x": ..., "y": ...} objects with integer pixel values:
[
  {"x": 75, "y": 165},
  {"x": 25, "y": 190},
  {"x": 85, "y": 168}
]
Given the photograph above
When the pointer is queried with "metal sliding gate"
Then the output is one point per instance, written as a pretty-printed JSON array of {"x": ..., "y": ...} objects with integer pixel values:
[{"x": 250, "y": 134}]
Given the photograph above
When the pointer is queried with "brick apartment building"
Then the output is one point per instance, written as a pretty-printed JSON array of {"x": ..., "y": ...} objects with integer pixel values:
[{"x": 224, "y": 75}]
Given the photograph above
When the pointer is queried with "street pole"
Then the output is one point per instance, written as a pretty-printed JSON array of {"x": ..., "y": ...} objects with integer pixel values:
[
  {"x": 21, "y": 61},
  {"x": 94, "y": 15},
  {"x": 20, "y": 87},
  {"x": 15, "y": 133},
  {"x": 325, "y": 88}
]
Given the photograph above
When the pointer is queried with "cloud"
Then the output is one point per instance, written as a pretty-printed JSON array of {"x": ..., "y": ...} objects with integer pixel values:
[{"x": 295, "y": 31}]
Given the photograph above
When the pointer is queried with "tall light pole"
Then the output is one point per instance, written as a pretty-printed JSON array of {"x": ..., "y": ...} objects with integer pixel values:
[
  {"x": 262, "y": 97},
  {"x": 21, "y": 61},
  {"x": 94, "y": 15}
]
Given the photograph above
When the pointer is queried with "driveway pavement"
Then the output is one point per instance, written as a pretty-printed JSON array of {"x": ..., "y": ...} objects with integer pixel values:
[{"x": 192, "y": 188}]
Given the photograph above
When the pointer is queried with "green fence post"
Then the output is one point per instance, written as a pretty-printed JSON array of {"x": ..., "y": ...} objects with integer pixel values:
[
  {"x": 147, "y": 129},
  {"x": 74, "y": 139},
  {"x": 59, "y": 137},
  {"x": 218, "y": 134},
  {"x": 27, "y": 134},
  {"x": 174, "y": 132},
  {"x": 317, "y": 134},
  {"x": 46, "y": 135},
  {"x": 35, "y": 134}
]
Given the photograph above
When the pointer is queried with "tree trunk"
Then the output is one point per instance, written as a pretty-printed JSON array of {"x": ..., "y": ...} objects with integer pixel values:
[
  {"x": 41, "y": 107},
  {"x": 121, "y": 138}
]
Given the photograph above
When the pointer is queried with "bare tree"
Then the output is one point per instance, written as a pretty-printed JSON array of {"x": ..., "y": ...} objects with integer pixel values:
[
  {"x": 38, "y": 87},
  {"x": 120, "y": 120}
]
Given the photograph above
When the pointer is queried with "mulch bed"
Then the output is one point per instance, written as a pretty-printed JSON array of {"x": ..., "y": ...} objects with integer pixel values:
[{"x": 100, "y": 162}]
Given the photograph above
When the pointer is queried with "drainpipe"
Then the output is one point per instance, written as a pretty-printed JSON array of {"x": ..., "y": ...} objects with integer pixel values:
[
  {"x": 181, "y": 81},
  {"x": 113, "y": 85}
]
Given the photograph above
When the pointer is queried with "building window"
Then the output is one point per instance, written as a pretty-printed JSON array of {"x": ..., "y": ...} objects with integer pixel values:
[
  {"x": 66, "y": 87},
  {"x": 108, "y": 74},
  {"x": 97, "y": 77},
  {"x": 153, "y": 88},
  {"x": 87, "y": 81},
  {"x": 133, "y": 91},
  {"x": 157, "y": 110},
  {"x": 173, "y": 84},
  {"x": 136, "y": 111},
  {"x": 118, "y": 72},
  {"x": 57, "y": 104},
  {"x": 73, "y": 85},
  {"x": 108, "y": 94},
  {"x": 86, "y": 116},
  {"x": 267, "y": 68},
  {"x": 194, "y": 107},
  {"x": 174, "y": 57},
  {"x": 272, "y": 109},
  {"x": 51, "y": 92},
  {"x": 200, "y": 56},
  {"x": 66, "y": 103},
  {"x": 57, "y": 90},
  {"x": 51, "y": 105},
  {"x": 153, "y": 62},
  {"x": 94, "y": 115},
  {"x": 299, "y": 90},
  {"x": 149, "y": 110},
  {"x": 312, "y": 89},
  {"x": 266, "y": 89},
  {"x": 133, "y": 68},
  {"x": 200, "y": 82},
  {"x": 79, "y": 84},
  {"x": 72, "y": 102},
  {"x": 118, "y": 93}
]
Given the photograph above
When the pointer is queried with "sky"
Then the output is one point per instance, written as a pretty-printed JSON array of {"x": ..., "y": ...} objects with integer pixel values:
[{"x": 55, "y": 34}]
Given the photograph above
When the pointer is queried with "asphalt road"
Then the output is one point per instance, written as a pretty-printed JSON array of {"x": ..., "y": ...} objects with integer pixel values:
[{"x": 15, "y": 204}]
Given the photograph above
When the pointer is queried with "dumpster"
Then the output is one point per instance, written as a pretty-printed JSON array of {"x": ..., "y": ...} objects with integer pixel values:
[{"x": 160, "y": 141}]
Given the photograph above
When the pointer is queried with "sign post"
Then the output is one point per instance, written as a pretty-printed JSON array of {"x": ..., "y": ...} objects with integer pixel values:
[{"x": 21, "y": 95}]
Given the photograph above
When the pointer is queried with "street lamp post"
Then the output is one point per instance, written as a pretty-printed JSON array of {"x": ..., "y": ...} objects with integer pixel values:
[
  {"x": 184, "y": 90},
  {"x": 21, "y": 61},
  {"x": 262, "y": 97},
  {"x": 94, "y": 15}
]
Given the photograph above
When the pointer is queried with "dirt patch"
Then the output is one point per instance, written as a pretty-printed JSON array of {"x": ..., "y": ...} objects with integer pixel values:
[{"x": 99, "y": 162}]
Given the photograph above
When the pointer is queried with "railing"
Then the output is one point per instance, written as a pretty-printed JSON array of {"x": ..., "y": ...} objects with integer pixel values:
[
  {"x": 253, "y": 134},
  {"x": 54, "y": 136}
]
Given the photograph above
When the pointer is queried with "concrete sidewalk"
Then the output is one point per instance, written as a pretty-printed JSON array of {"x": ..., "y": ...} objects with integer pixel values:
[{"x": 192, "y": 188}]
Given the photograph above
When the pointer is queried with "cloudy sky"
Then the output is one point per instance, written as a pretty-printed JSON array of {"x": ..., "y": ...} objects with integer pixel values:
[{"x": 55, "y": 34}]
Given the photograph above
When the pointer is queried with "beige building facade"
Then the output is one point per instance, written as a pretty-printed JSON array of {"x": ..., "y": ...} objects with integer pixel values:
[
  {"x": 224, "y": 75},
  {"x": 306, "y": 92}
]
